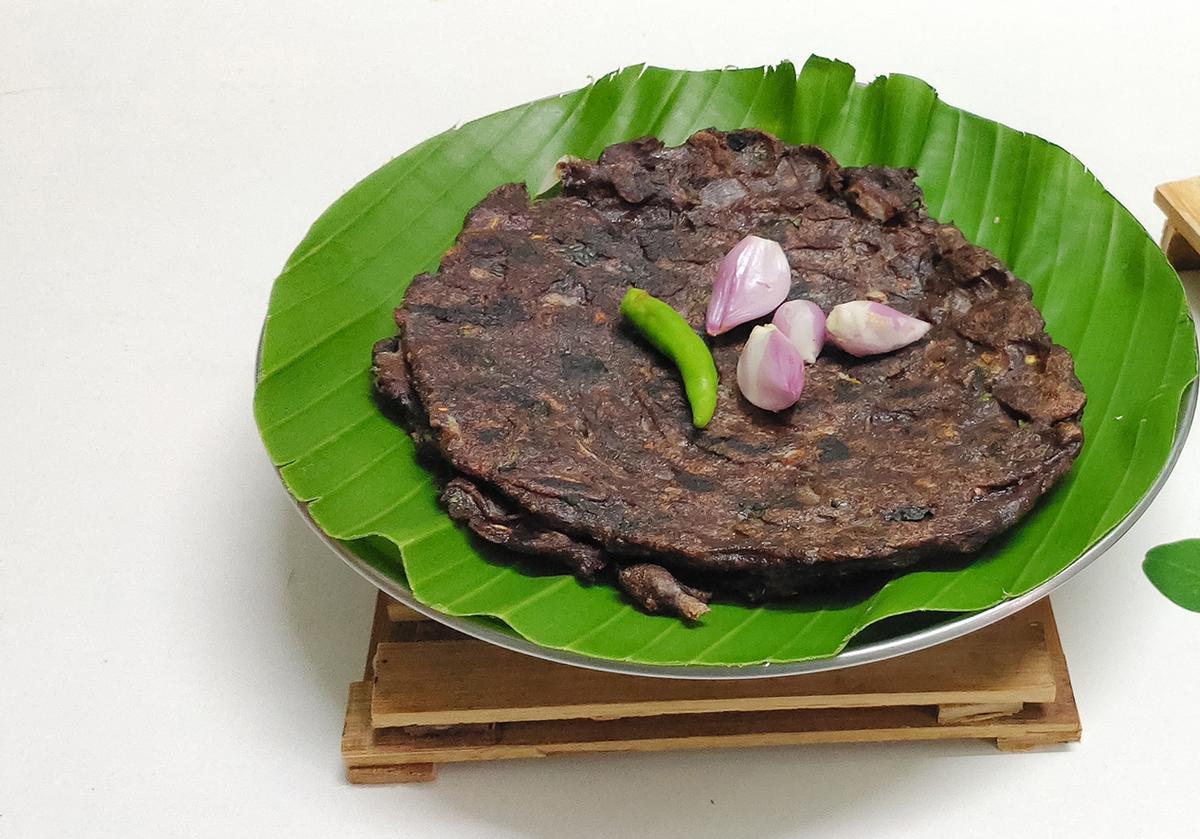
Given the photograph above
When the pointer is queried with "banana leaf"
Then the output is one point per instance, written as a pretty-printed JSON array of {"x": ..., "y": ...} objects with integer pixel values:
[{"x": 1106, "y": 291}]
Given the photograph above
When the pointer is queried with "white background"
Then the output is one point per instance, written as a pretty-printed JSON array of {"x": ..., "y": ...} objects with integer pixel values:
[{"x": 175, "y": 645}]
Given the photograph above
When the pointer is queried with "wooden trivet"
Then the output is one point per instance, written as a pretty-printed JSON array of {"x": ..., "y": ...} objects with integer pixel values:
[
  {"x": 1180, "y": 201},
  {"x": 431, "y": 695}
]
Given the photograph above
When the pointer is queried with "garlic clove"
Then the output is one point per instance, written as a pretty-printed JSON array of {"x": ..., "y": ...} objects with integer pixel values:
[
  {"x": 770, "y": 371},
  {"x": 864, "y": 327},
  {"x": 752, "y": 279}
]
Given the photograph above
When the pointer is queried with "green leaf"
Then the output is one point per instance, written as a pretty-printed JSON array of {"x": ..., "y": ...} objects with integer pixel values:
[
  {"x": 1106, "y": 291},
  {"x": 1175, "y": 571}
]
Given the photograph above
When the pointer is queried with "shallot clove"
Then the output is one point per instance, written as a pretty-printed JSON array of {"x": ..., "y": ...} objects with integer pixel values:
[
  {"x": 803, "y": 322},
  {"x": 770, "y": 371},
  {"x": 752, "y": 279},
  {"x": 864, "y": 327}
]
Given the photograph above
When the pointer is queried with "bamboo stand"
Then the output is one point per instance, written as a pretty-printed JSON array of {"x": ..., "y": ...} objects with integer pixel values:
[{"x": 431, "y": 696}]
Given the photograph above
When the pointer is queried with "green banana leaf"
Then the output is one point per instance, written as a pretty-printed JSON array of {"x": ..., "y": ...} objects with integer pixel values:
[{"x": 1105, "y": 289}]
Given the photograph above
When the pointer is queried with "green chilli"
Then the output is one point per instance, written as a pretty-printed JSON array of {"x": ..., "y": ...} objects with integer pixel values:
[{"x": 674, "y": 337}]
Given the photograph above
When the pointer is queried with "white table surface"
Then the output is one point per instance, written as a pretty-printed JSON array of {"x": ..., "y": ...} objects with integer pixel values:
[{"x": 175, "y": 645}]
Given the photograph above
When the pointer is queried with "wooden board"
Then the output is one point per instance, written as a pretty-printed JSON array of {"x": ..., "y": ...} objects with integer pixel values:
[
  {"x": 432, "y": 696},
  {"x": 1180, "y": 201}
]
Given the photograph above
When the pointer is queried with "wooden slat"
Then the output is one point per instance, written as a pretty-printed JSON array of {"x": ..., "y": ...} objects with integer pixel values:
[
  {"x": 398, "y": 613},
  {"x": 1181, "y": 255},
  {"x": 395, "y": 623},
  {"x": 468, "y": 681},
  {"x": 380, "y": 632},
  {"x": 976, "y": 712},
  {"x": 402, "y": 773},
  {"x": 1180, "y": 200}
]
